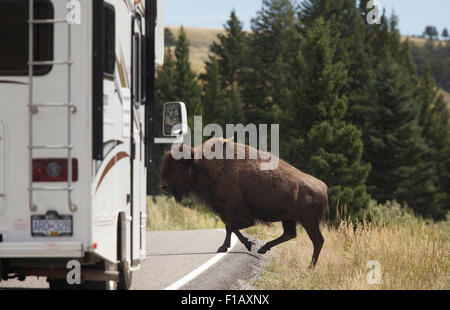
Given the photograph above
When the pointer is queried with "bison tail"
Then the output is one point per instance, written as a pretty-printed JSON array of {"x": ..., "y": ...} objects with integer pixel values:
[{"x": 325, "y": 210}]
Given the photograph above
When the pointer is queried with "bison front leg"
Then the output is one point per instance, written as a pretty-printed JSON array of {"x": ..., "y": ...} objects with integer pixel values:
[
  {"x": 236, "y": 217},
  {"x": 288, "y": 234},
  {"x": 247, "y": 243},
  {"x": 226, "y": 243}
]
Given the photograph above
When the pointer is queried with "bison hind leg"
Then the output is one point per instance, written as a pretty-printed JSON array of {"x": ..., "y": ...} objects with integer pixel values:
[
  {"x": 288, "y": 234},
  {"x": 317, "y": 239}
]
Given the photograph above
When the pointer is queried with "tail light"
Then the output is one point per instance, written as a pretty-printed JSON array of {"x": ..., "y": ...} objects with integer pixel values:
[{"x": 54, "y": 170}]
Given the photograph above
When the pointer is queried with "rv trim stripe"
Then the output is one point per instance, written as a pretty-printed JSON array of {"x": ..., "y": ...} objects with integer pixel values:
[{"x": 110, "y": 165}]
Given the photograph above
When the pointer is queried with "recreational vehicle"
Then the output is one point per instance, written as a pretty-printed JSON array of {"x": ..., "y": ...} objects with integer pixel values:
[{"x": 76, "y": 137}]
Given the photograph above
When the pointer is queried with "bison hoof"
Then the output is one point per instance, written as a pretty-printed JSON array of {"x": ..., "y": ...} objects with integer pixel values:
[
  {"x": 262, "y": 250},
  {"x": 222, "y": 249},
  {"x": 249, "y": 245}
]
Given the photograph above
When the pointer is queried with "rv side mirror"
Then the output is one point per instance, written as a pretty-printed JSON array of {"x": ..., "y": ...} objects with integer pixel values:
[{"x": 175, "y": 123}]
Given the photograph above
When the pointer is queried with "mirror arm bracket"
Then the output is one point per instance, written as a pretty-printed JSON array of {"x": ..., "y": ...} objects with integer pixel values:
[{"x": 175, "y": 140}]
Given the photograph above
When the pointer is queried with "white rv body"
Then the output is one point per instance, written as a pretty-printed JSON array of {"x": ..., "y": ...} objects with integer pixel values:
[{"x": 106, "y": 190}]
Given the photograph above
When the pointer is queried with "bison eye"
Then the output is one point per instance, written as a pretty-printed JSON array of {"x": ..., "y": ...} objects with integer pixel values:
[{"x": 164, "y": 187}]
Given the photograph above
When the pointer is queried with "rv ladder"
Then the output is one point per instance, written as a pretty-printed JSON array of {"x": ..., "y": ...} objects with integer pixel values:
[{"x": 33, "y": 109}]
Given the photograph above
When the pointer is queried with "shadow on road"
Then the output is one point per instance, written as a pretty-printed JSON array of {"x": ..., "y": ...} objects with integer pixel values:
[
  {"x": 23, "y": 289},
  {"x": 201, "y": 253}
]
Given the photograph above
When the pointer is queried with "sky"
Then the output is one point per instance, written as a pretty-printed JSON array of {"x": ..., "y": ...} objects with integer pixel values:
[{"x": 414, "y": 15}]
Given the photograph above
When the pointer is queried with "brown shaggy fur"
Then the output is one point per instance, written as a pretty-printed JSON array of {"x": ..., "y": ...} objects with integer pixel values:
[{"x": 242, "y": 194}]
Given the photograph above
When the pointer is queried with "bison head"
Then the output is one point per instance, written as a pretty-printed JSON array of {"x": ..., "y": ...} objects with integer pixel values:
[{"x": 177, "y": 176}]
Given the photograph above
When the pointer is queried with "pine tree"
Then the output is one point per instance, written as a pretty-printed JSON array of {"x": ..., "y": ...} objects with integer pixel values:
[
  {"x": 221, "y": 105},
  {"x": 327, "y": 146},
  {"x": 384, "y": 39},
  {"x": 431, "y": 32},
  {"x": 230, "y": 51},
  {"x": 222, "y": 102},
  {"x": 187, "y": 88},
  {"x": 214, "y": 96},
  {"x": 234, "y": 112},
  {"x": 165, "y": 82},
  {"x": 273, "y": 46},
  {"x": 393, "y": 141},
  {"x": 445, "y": 182},
  {"x": 445, "y": 34},
  {"x": 420, "y": 191},
  {"x": 169, "y": 38},
  {"x": 435, "y": 122},
  {"x": 348, "y": 25}
]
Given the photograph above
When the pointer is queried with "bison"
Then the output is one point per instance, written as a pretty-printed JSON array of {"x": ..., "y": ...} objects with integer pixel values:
[{"x": 242, "y": 194}]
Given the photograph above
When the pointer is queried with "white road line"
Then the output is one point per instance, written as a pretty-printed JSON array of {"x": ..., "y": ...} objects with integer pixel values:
[{"x": 195, "y": 273}]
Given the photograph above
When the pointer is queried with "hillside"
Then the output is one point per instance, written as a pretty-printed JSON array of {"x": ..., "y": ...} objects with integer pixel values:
[
  {"x": 202, "y": 38},
  {"x": 420, "y": 42}
]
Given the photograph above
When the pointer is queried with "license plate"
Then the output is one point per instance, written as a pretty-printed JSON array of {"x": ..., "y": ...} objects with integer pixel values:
[{"x": 51, "y": 225}]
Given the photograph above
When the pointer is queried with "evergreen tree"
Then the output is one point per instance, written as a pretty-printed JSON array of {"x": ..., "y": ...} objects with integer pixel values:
[
  {"x": 431, "y": 33},
  {"x": 169, "y": 38},
  {"x": 231, "y": 52},
  {"x": 187, "y": 88},
  {"x": 437, "y": 57},
  {"x": 220, "y": 105},
  {"x": 445, "y": 182},
  {"x": 435, "y": 122},
  {"x": 222, "y": 101},
  {"x": 273, "y": 45},
  {"x": 234, "y": 112},
  {"x": 214, "y": 96},
  {"x": 445, "y": 34},
  {"x": 327, "y": 146},
  {"x": 348, "y": 25},
  {"x": 393, "y": 141},
  {"x": 385, "y": 43},
  {"x": 384, "y": 39},
  {"x": 324, "y": 74}
]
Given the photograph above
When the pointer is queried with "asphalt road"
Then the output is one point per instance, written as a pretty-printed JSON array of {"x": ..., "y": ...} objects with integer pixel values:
[{"x": 173, "y": 256}]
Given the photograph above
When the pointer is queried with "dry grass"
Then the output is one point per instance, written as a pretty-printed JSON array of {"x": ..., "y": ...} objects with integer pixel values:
[
  {"x": 166, "y": 214},
  {"x": 200, "y": 39},
  {"x": 412, "y": 255},
  {"x": 420, "y": 42}
]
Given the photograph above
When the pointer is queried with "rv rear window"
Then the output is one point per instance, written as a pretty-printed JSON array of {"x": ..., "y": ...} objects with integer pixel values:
[{"x": 14, "y": 37}]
